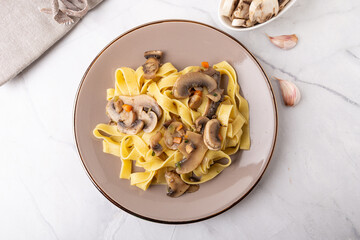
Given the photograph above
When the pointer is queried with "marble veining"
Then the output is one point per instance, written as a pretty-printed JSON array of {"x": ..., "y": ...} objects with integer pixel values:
[{"x": 311, "y": 189}]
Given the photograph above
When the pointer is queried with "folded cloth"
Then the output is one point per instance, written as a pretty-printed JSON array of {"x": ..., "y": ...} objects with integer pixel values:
[{"x": 26, "y": 32}]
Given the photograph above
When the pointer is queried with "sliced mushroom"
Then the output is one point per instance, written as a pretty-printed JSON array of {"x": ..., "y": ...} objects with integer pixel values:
[
  {"x": 249, "y": 23},
  {"x": 236, "y": 22},
  {"x": 132, "y": 129},
  {"x": 282, "y": 4},
  {"x": 210, "y": 109},
  {"x": 176, "y": 185},
  {"x": 200, "y": 123},
  {"x": 127, "y": 117},
  {"x": 195, "y": 101},
  {"x": 118, "y": 105},
  {"x": 262, "y": 10},
  {"x": 152, "y": 63},
  {"x": 211, "y": 135},
  {"x": 214, "y": 74},
  {"x": 111, "y": 111},
  {"x": 157, "y": 54},
  {"x": 190, "y": 80},
  {"x": 190, "y": 148},
  {"x": 173, "y": 132},
  {"x": 216, "y": 95},
  {"x": 155, "y": 145},
  {"x": 242, "y": 10},
  {"x": 192, "y": 160},
  {"x": 193, "y": 188},
  {"x": 142, "y": 101},
  {"x": 227, "y": 7},
  {"x": 150, "y": 120},
  {"x": 167, "y": 123},
  {"x": 150, "y": 68}
]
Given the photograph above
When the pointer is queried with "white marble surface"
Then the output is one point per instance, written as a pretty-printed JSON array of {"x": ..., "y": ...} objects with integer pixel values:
[{"x": 311, "y": 189}]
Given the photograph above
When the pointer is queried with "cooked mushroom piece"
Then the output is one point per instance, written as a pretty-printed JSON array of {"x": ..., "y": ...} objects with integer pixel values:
[
  {"x": 176, "y": 186},
  {"x": 150, "y": 67},
  {"x": 214, "y": 74},
  {"x": 152, "y": 63},
  {"x": 195, "y": 101},
  {"x": 190, "y": 148},
  {"x": 111, "y": 111},
  {"x": 127, "y": 117},
  {"x": 192, "y": 160},
  {"x": 118, "y": 105},
  {"x": 210, "y": 109},
  {"x": 193, "y": 188},
  {"x": 150, "y": 120},
  {"x": 142, "y": 101},
  {"x": 216, "y": 95},
  {"x": 236, "y": 22},
  {"x": 190, "y": 80},
  {"x": 174, "y": 134},
  {"x": 282, "y": 4},
  {"x": 132, "y": 129},
  {"x": 242, "y": 10},
  {"x": 200, "y": 123},
  {"x": 262, "y": 10},
  {"x": 211, "y": 135},
  {"x": 155, "y": 145},
  {"x": 157, "y": 54}
]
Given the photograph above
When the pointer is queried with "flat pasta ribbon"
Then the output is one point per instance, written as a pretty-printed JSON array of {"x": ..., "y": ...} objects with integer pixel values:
[{"x": 232, "y": 113}]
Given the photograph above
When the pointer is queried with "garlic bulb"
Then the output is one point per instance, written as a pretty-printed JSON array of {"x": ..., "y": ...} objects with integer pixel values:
[
  {"x": 262, "y": 10},
  {"x": 284, "y": 41},
  {"x": 290, "y": 92}
]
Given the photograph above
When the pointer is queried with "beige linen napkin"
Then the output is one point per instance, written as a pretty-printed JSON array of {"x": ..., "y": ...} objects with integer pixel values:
[{"x": 26, "y": 33}]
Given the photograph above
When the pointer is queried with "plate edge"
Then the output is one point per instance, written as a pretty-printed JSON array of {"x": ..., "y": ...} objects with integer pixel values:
[{"x": 75, "y": 108}]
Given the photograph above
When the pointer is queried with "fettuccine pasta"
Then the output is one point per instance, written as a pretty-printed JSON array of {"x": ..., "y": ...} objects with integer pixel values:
[{"x": 232, "y": 113}]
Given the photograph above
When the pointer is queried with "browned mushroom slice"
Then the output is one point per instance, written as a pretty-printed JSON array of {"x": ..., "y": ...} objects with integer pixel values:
[
  {"x": 192, "y": 160},
  {"x": 216, "y": 95},
  {"x": 214, "y": 74},
  {"x": 150, "y": 120},
  {"x": 176, "y": 186},
  {"x": 167, "y": 123},
  {"x": 131, "y": 129},
  {"x": 195, "y": 101},
  {"x": 155, "y": 145},
  {"x": 150, "y": 68},
  {"x": 176, "y": 130},
  {"x": 200, "y": 123},
  {"x": 210, "y": 109},
  {"x": 118, "y": 105},
  {"x": 157, "y": 54},
  {"x": 190, "y": 80},
  {"x": 127, "y": 117},
  {"x": 142, "y": 101},
  {"x": 193, "y": 188},
  {"x": 211, "y": 135},
  {"x": 152, "y": 63},
  {"x": 112, "y": 111}
]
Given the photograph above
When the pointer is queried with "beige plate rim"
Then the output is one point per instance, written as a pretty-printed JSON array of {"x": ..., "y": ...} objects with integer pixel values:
[{"x": 76, "y": 105}]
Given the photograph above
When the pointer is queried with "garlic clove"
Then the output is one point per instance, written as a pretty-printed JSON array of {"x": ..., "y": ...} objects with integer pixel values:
[
  {"x": 290, "y": 92},
  {"x": 284, "y": 41}
]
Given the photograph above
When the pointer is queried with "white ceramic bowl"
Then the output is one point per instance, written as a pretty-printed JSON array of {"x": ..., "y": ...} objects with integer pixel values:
[{"x": 227, "y": 23}]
